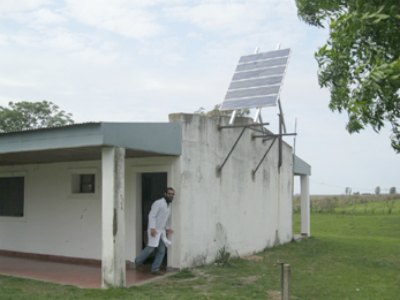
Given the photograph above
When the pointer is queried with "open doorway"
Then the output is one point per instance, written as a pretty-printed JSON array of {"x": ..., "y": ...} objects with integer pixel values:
[{"x": 153, "y": 187}]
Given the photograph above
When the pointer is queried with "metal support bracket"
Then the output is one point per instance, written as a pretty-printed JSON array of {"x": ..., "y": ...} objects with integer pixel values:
[
  {"x": 280, "y": 140},
  {"x": 241, "y": 126},
  {"x": 266, "y": 137},
  {"x": 265, "y": 155},
  {"x": 244, "y": 127},
  {"x": 219, "y": 167}
]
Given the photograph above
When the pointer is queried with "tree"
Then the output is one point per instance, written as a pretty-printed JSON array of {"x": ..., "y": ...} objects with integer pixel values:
[
  {"x": 360, "y": 63},
  {"x": 392, "y": 190},
  {"x": 378, "y": 190},
  {"x": 347, "y": 191},
  {"x": 30, "y": 115}
]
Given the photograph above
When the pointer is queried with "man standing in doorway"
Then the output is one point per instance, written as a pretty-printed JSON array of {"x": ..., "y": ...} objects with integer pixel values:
[{"x": 158, "y": 228}]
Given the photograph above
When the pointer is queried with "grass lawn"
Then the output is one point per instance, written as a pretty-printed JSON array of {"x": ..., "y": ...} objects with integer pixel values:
[{"x": 350, "y": 256}]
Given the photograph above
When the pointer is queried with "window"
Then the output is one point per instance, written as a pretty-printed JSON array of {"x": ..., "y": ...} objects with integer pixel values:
[
  {"x": 11, "y": 196},
  {"x": 83, "y": 183}
]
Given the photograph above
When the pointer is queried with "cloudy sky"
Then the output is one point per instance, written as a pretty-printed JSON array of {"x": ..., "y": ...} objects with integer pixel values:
[{"x": 139, "y": 60}]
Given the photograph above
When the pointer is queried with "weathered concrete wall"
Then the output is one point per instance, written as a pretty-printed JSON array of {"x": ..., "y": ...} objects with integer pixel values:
[
  {"x": 55, "y": 221},
  {"x": 235, "y": 210},
  {"x": 58, "y": 222}
]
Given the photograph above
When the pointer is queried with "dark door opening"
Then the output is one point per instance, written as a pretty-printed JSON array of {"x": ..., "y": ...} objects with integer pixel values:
[{"x": 153, "y": 187}]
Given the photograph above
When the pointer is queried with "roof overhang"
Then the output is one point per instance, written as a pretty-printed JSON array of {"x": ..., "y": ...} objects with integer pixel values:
[
  {"x": 84, "y": 142},
  {"x": 301, "y": 167}
]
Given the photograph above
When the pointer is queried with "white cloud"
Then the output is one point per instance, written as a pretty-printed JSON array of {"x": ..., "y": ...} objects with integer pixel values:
[
  {"x": 39, "y": 20},
  {"x": 12, "y": 6},
  {"x": 15, "y": 83},
  {"x": 233, "y": 17},
  {"x": 121, "y": 17},
  {"x": 222, "y": 17},
  {"x": 45, "y": 16},
  {"x": 3, "y": 39},
  {"x": 65, "y": 40}
]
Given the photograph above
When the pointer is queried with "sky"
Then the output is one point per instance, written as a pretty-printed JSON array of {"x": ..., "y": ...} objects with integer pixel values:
[{"x": 140, "y": 60}]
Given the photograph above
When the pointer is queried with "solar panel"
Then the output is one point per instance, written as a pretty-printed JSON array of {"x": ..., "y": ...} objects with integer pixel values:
[{"x": 257, "y": 80}]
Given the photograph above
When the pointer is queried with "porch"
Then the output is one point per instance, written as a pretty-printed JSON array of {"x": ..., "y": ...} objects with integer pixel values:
[{"x": 67, "y": 273}]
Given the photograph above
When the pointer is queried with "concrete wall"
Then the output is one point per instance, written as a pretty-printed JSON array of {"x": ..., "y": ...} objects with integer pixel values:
[
  {"x": 235, "y": 210},
  {"x": 55, "y": 220}
]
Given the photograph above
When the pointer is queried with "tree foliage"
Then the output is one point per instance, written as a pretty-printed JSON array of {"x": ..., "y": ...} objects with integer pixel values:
[
  {"x": 378, "y": 190},
  {"x": 347, "y": 191},
  {"x": 25, "y": 115},
  {"x": 360, "y": 63}
]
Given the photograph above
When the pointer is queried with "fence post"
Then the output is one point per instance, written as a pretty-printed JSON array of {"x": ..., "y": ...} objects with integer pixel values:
[{"x": 285, "y": 281}]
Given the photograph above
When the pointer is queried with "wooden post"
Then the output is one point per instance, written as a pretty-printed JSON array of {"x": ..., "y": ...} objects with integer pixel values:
[{"x": 285, "y": 281}]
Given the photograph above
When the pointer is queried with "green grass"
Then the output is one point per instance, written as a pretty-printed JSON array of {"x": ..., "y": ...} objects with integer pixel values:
[
  {"x": 385, "y": 207},
  {"x": 354, "y": 204},
  {"x": 350, "y": 256}
]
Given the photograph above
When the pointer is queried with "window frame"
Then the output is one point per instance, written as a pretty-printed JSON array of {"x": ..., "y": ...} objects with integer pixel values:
[
  {"x": 16, "y": 175},
  {"x": 74, "y": 183}
]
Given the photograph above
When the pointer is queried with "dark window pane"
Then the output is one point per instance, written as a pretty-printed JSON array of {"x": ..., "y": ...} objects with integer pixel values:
[
  {"x": 87, "y": 183},
  {"x": 12, "y": 196}
]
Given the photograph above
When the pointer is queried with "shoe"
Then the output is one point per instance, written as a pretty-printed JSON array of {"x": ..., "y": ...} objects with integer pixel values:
[{"x": 157, "y": 273}]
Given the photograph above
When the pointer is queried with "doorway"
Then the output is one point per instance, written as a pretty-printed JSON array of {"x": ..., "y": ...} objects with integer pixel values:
[{"x": 153, "y": 187}]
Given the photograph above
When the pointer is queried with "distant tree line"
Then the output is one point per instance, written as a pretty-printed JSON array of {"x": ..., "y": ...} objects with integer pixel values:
[{"x": 392, "y": 190}]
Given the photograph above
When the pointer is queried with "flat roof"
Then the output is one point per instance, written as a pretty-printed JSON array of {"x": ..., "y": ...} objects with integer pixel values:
[
  {"x": 84, "y": 142},
  {"x": 301, "y": 167}
]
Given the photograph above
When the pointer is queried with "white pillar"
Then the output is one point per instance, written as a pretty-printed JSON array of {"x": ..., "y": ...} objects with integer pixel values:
[
  {"x": 305, "y": 205},
  {"x": 113, "y": 217}
]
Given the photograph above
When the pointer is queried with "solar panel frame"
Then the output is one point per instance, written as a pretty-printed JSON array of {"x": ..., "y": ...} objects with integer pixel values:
[
  {"x": 264, "y": 55},
  {"x": 251, "y": 102},
  {"x": 281, "y": 61},
  {"x": 257, "y": 80}
]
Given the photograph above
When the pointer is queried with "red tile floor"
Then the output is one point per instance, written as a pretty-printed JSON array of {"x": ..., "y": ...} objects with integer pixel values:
[{"x": 84, "y": 276}]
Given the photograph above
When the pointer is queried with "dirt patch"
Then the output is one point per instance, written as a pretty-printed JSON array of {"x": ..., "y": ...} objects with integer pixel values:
[{"x": 274, "y": 295}]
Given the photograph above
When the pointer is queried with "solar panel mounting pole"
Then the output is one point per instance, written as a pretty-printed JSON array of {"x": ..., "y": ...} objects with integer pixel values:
[
  {"x": 232, "y": 119},
  {"x": 281, "y": 120},
  {"x": 281, "y": 123},
  {"x": 257, "y": 116}
]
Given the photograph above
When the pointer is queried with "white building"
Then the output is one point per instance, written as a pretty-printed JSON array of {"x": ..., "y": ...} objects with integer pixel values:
[{"x": 83, "y": 191}]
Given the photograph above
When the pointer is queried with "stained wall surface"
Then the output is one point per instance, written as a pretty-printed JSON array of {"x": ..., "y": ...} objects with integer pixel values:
[{"x": 234, "y": 209}]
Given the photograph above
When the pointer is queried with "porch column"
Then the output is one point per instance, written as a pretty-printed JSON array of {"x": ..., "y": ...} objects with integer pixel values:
[
  {"x": 305, "y": 205},
  {"x": 113, "y": 217}
]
